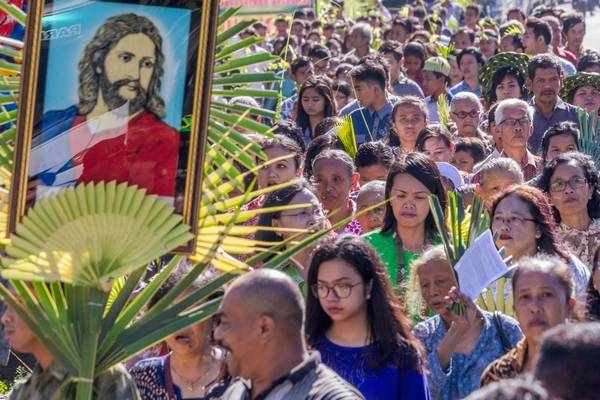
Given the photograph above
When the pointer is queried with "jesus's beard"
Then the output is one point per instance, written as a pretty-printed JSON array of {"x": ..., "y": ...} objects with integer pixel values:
[{"x": 112, "y": 98}]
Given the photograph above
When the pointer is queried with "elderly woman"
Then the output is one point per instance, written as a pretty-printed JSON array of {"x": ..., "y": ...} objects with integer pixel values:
[
  {"x": 465, "y": 112},
  {"x": 459, "y": 347},
  {"x": 583, "y": 90},
  {"x": 523, "y": 225},
  {"x": 572, "y": 184},
  {"x": 497, "y": 175},
  {"x": 543, "y": 298}
]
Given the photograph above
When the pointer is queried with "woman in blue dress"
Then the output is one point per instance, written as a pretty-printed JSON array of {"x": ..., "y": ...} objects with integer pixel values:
[{"x": 355, "y": 321}]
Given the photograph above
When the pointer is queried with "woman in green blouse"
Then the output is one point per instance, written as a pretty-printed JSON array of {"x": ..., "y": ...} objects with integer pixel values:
[{"x": 408, "y": 225}]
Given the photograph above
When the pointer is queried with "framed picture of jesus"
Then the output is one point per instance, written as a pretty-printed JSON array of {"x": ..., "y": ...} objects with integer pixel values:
[{"x": 105, "y": 86}]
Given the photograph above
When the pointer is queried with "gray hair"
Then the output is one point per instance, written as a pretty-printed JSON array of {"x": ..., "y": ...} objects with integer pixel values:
[
  {"x": 465, "y": 96},
  {"x": 365, "y": 30},
  {"x": 511, "y": 103},
  {"x": 551, "y": 265},
  {"x": 372, "y": 186},
  {"x": 503, "y": 164},
  {"x": 108, "y": 35}
]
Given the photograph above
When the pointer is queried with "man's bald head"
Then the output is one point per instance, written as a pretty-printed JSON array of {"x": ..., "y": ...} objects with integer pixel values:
[{"x": 272, "y": 293}]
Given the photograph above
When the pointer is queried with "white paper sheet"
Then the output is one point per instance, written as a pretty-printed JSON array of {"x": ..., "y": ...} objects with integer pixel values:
[{"x": 479, "y": 266}]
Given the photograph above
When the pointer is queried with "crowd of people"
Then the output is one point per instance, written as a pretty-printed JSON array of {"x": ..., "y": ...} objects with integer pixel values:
[{"x": 440, "y": 99}]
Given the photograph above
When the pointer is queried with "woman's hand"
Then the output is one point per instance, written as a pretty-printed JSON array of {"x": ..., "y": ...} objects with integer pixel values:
[{"x": 464, "y": 330}]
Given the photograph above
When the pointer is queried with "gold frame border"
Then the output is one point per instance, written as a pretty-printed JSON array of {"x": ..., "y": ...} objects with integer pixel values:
[{"x": 199, "y": 119}]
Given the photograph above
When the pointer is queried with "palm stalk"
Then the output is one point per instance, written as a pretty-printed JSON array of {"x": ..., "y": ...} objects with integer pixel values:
[{"x": 457, "y": 231}]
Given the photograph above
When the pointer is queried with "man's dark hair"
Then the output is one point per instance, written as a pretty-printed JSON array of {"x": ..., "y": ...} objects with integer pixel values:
[
  {"x": 472, "y": 145},
  {"x": 540, "y": 28},
  {"x": 560, "y": 128},
  {"x": 391, "y": 47},
  {"x": 568, "y": 361},
  {"x": 371, "y": 153},
  {"x": 319, "y": 51},
  {"x": 589, "y": 60},
  {"x": 570, "y": 20},
  {"x": 299, "y": 14},
  {"x": 543, "y": 61},
  {"x": 472, "y": 51},
  {"x": 511, "y": 389},
  {"x": 289, "y": 129},
  {"x": 370, "y": 72},
  {"x": 300, "y": 62},
  {"x": 107, "y": 36}
]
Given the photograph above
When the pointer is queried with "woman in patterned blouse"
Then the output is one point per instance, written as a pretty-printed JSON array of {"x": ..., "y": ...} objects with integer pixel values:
[
  {"x": 543, "y": 298},
  {"x": 572, "y": 184},
  {"x": 193, "y": 368}
]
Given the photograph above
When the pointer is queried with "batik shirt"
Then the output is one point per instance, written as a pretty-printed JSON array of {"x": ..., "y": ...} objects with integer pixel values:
[
  {"x": 508, "y": 366},
  {"x": 583, "y": 244}
]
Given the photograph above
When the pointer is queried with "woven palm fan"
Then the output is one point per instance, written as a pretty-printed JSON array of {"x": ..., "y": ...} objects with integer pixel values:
[
  {"x": 518, "y": 61},
  {"x": 92, "y": 234}
]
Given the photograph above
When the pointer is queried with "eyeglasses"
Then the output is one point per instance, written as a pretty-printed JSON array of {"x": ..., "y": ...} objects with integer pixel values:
[
  {"x": 511, "y": 220},
  {"x": 464, "y": 114},
  {"x": 575, "y": 183},
  {"x": 514, "y": 122},
  {"x": 340, "y": 290},
  {"x": 306, "y": 213}
]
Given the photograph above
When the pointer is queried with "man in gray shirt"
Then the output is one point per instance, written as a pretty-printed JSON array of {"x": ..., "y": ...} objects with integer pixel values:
[
  {"x": 260, "y": 324},
  {"x": 545, "y": 81},
  {"x": 400, "y": 84}
]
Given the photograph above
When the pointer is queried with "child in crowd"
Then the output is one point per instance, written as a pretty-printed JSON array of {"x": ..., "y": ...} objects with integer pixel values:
[
  {"x": 409, "y": 117},
  {"x": 373, "y": 161},
  {"x": 370, "y": 194},
  {"x": 334, "y": 178},
  {"x": 467, "y": 153}
]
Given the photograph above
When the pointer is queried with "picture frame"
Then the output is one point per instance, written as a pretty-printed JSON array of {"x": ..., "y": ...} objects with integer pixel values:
[{"x": 105, "y": 85}]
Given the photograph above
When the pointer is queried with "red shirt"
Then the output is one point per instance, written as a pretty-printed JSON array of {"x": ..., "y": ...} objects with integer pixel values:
[{"x": 145, "y": 155}]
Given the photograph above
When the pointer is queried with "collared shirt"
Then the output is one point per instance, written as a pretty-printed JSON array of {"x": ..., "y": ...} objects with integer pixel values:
[
  {"x": 463, "y": 86},
  {"x": 508, "y": 366},
  {"x": 432, "y": 108},
  {"x": 47, "y": 384},
  {"x": 407, "y": 87},
  {"x": 355, "y": 105},
  {"x": 372, "y": 124},
  {"x": 309, "y": 380},
  {"x": 562, "y": 112},
  {"x": 463, "y": 374},
  {"x": 530, "y": 165}
]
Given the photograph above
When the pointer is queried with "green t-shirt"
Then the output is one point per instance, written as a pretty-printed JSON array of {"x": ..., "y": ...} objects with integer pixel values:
[{"x": 386, "y": 247}]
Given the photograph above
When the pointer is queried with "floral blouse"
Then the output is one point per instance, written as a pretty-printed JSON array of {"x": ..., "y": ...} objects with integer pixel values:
[
  {"x": 508, "y": 366},
  {"x": 583, "y": 244},
  {"x": 463, "y": 374}
]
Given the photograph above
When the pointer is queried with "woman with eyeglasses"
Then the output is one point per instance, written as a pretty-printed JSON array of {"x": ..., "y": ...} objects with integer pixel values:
[
  {"x": 523, "y": 225},
  {"x": 356, "y": 323},
  {"x": 408, "y": 225},
  {"x": 309, "y": 218},
  {"x": 572, "y": 184}
]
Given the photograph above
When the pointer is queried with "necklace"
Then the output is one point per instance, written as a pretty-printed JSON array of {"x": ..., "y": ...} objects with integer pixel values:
[{"x": 190, "y": 384}]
